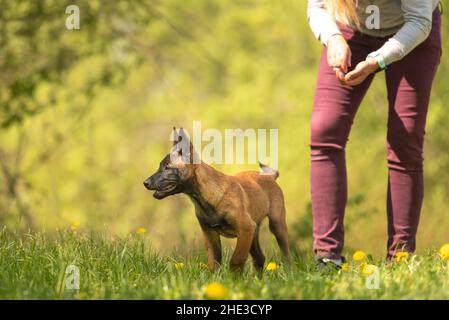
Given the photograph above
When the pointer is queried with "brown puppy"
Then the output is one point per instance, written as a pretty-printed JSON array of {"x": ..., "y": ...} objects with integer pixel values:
[{"x": 229, "y": 206}]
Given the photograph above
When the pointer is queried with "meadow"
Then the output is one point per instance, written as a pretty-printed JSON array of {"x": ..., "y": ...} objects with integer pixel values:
[{"x": 34, "y": 267}]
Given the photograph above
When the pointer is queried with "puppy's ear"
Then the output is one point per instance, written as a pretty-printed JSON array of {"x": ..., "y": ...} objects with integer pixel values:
[
  {"x": 183, "y": 136},
  {"x": 175, "y": 137},
  {"x": 176, "y": 149},
  {"x": 189, "y": 153},
  {"x": 182, "y": 142}
]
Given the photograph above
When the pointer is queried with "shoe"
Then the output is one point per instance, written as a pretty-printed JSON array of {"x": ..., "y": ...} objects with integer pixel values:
[{"x": 329, "y": 263}]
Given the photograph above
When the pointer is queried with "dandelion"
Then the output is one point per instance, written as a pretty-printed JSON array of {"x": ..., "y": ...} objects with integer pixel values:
[
  {"x": 369, "y": 269},
  {"x": 141, "y": 230},
  {"x": 359, "y": 256},
  {"x": 345, "y": 267},
  {"x": 401, "y": 256},
  {"x": 215, "y": 291},
  {"x": 444, "y": 252},
  {"x": 75, "y": 225},
  {"x": 272, "y": 266},
  {"x": 179, "y": 265}
]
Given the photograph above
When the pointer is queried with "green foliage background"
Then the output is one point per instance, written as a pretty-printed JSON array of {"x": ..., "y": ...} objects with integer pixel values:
[{"x": 86, "y": 114}]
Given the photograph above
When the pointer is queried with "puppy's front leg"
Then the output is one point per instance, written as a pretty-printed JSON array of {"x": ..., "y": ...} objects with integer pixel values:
[
  {"x": 213, "y": 246},
  {"x": 246, "y": 229}
]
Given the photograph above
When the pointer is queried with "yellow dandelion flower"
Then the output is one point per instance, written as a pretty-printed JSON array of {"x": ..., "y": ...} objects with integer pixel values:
[
  {"x": 215, "y": 291},
  {"x": 345, "y": 267},
  {"x": 401, "y": 256},
  {"x": 444, "y": 252},
  {"x": 369, "y": 269},
  {"x": 272, "y": 266},
  {"x": 359, "y": 256},
  {"x": 141, "y": 230},
  {"x": 179, "y": 265},
  {"x": 75, "y": 225}
]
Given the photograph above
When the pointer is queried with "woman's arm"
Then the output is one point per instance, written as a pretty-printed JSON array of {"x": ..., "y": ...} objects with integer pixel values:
[
  {"x": 322, "y": 25},
  {"x": 326, "y": 30},
  {"x": 416, "y": 29}
]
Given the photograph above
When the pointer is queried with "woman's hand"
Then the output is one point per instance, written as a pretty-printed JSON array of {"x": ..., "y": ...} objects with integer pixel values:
[
  {"x": 361, "y": 72},
  {"x": 338, "y": 55}
]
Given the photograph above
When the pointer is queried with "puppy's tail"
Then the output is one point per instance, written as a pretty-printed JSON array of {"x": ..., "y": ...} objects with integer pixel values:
[{"x": 268, "y": 171}]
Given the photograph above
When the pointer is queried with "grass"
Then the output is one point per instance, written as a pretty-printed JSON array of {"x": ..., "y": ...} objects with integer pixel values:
[{"x": 33, "y": 267}]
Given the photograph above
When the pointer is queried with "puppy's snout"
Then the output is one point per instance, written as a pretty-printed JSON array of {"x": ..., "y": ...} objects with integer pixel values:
[{"x": 148, "y": 184}]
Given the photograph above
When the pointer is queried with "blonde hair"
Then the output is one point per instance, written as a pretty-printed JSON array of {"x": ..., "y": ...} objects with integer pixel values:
[{"x": 344, "y": 11}]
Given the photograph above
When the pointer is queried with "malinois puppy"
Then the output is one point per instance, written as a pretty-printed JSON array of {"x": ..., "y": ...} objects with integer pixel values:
[{"x": 229, "y": 206}]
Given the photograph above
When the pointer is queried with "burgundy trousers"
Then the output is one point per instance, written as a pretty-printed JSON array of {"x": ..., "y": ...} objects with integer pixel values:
[{"x": 409, "y": 83}]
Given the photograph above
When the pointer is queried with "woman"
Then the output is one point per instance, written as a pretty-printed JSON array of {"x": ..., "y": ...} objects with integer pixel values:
[{"x": 406, "y": 43}]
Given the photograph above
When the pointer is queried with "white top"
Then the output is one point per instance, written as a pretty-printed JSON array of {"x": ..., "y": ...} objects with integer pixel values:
[{"x": 408, "y": 22}]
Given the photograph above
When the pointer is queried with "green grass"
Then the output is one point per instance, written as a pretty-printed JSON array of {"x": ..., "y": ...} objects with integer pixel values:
[{"x": 33, "y": 267}]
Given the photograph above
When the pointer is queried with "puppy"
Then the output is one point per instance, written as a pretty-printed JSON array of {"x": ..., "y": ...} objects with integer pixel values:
[{"x": 229, "y": 206}]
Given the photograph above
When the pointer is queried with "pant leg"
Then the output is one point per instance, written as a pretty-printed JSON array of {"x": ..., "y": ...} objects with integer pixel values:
[
  {"x": 335, "y": 106},
  {"x": 409, "y": 84}
]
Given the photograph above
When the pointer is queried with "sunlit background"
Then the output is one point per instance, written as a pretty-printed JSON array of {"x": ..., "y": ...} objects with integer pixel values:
[{"x": 85, "y": 116}]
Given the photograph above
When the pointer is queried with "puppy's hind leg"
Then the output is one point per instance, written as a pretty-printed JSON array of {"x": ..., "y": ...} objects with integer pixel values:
[
  {"x": 256, "y": 251},
  {"x": 278, "y": 226}
]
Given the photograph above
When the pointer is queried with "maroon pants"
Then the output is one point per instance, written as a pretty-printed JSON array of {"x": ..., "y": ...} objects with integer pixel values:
[{"x": 409, "y": 84}]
